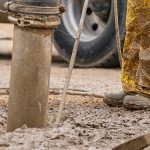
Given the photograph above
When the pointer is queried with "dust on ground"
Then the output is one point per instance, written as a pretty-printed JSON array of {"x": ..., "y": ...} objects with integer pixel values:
[{"x": 87, "y": 124}]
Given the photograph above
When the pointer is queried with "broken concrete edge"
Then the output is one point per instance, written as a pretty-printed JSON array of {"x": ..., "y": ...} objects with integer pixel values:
[
  {"x": 135, "y": 144},
  {"x": 58, "y": 91}
]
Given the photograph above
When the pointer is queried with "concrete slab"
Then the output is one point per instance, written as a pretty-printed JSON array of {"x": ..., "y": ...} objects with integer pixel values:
[{"x": 93, "y": 80}]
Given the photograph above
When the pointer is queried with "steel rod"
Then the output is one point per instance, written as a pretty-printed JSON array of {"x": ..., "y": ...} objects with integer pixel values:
[
  {"x": 118, "y": 41},
  {"x": 72, "y": 62}
]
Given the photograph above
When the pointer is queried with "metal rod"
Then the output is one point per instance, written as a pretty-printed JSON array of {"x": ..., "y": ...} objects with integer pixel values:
[
  {"x": 117, "y": 31},
  {"x": 72, "y": 61}
]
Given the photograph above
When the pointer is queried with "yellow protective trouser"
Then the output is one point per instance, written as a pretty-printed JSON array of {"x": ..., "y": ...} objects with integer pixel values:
[{"x": 136, "y": 53}]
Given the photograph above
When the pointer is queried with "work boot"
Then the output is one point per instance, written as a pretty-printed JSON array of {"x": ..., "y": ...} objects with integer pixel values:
[
  {"x": 114, "y": 99},
  {"x": 136, "y": 102}
]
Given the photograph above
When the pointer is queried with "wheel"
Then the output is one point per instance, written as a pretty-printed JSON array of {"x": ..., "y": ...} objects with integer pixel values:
[{"x": 97, "y": 46}]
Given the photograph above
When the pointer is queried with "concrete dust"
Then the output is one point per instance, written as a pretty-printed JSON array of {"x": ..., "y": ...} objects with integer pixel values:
[{"x": 86, "y": 124}]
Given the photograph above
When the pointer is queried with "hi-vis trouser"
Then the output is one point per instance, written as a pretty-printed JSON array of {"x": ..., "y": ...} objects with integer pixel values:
[{"x": 136, "y": 53}]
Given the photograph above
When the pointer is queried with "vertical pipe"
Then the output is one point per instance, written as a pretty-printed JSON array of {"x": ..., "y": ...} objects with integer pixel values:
[{"x": 30, "y": 74}]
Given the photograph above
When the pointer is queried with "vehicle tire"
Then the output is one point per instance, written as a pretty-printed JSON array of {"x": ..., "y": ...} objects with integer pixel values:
[{"x": 97, "y": 48}]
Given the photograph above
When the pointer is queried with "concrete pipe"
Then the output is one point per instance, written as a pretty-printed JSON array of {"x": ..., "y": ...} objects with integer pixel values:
[
  {"x": 30, "y": 74},
  {"x": 31, "y": 63}
]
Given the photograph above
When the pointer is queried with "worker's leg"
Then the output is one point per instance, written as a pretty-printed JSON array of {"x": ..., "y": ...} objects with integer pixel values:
[
  {"x": 142, "y": 100},
  {"x": 130, "y": 58},
  {"x": 144, "y": 55}
]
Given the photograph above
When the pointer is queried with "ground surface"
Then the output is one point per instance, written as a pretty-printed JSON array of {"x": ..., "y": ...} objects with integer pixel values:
[{"x": 87, "y": 123}]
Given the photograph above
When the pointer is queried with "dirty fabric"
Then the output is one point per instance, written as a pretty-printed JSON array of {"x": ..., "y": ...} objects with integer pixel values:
[{"x": 136, "y": 53}]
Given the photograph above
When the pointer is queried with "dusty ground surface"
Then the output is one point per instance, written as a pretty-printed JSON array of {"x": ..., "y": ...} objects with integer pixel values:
[{"x": 87, "y": 123}]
